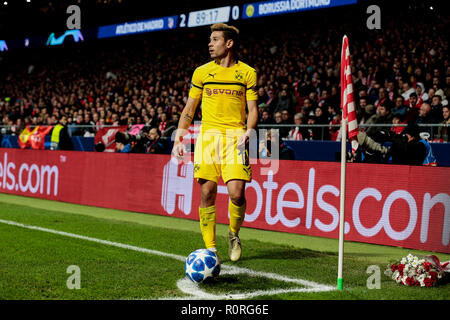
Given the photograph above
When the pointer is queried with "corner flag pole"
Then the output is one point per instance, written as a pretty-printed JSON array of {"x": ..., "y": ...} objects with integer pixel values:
[
  {"x": 348, "y": 117},
  {"x": 342, "y": 203}
]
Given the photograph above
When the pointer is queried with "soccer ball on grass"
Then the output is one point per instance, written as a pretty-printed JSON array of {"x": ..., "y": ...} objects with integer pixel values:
[{"x": 201, "y": 265}]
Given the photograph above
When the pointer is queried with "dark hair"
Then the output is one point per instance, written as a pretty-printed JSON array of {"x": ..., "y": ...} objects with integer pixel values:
[
  {"x": 229, "y": 32},
  {"x": 387, "y": 106},
  {"x": 158, "y": 132}
]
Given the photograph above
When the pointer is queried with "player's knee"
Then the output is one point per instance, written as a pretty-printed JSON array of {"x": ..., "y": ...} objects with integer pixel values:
[
  {"x": 238, "y": 199},
  {"x": 208, "y": 198}
]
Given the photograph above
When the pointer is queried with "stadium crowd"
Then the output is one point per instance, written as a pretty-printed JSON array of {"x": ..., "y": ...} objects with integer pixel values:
[{"x": 401, "y": 75}]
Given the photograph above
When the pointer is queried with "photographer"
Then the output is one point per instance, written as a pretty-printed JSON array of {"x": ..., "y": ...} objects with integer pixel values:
[
  {"x": 122, "y": 143},
  {"x": 130, "y": 143},
  {"x": 407, "y": 147}
]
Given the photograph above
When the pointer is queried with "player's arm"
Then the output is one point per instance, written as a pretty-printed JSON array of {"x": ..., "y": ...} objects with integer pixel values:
[
  {"x": 187, "y": 115},
  {"x": 252, "y": 121},
  {"x": 252, "y": 106},
  {"x": 252, "y": 117}
]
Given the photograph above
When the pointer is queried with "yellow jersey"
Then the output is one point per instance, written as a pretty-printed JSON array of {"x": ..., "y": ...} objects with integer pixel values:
[{"x": 224, "y": 93}]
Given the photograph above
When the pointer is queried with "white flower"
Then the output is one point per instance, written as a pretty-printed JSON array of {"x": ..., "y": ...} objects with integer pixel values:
[
  {"x": 403, "y": 261},
  {"x": 410, "y": 257}
]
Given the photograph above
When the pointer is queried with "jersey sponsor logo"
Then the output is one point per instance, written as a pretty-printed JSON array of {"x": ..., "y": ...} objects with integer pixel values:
[{"x": 227, "y": 92}]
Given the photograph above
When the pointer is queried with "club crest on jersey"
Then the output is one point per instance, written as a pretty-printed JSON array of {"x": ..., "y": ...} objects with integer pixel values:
[{"x": 238, "y": 76}]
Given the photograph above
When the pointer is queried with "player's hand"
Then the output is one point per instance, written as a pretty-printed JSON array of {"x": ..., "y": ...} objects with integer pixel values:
[
  {"x": 178, "y": 150},
  {"x": 243, "y": 141}
]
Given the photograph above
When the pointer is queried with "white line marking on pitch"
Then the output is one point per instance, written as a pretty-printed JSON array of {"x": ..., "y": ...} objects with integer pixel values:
[{"x": 187, "y": 286}]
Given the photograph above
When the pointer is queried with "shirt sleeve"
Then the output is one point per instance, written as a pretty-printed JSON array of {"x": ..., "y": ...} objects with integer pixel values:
[
  {"x": 252, "y": 93},
  {"x": 196, "y": 85}
]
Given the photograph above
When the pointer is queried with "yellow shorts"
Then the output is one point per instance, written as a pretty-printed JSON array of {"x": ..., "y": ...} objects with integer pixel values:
[{"x": 217, "y": 155}]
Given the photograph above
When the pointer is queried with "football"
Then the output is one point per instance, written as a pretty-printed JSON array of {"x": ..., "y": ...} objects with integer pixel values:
[{"x": 201, "y": 265}]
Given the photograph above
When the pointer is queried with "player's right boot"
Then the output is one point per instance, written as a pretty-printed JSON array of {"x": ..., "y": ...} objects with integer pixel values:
[{"x": 234, "y": 246}]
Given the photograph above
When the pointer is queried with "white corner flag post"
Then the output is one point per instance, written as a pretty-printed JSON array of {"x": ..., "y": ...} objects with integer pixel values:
[
  {"x": 348, "y": 117},
  {"x": 342, "y": 203}
]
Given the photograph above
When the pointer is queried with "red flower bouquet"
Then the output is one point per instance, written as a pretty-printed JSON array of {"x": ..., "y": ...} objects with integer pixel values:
[{"x": 414, "y": 271}]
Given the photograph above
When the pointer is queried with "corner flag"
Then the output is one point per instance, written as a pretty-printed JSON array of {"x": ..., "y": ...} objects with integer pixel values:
[
  {"x": 348, "y": 116},
  {"x": 347, "y": 99}
]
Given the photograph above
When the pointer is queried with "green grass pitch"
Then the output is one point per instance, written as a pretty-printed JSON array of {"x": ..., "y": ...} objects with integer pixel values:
[{"x": 126, "y": 255}]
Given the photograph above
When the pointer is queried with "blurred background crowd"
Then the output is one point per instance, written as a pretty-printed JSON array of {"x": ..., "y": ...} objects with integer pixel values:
[{"x": 401, "y": 75}]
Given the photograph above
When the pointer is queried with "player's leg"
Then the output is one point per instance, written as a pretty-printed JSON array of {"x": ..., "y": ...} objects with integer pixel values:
[
  {"x": 237, "y": 205},
  {"x": 207, "y": 212},
  {"x": 236, "y": 171},
  {"x": 236, "y": 208},
  {"x": 207, "y": 174}
]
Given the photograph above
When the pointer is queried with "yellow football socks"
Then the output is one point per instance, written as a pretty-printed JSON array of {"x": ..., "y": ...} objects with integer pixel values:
[
  {"x": 237, "y": 215},
  {"x": 208, "y": 225}
]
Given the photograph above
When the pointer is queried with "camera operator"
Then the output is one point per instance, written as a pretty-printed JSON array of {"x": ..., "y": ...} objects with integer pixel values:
[
  {"x": 407, "y": 147},
  {"x": 129, "y": 143},
  {"x": 122, "y": 143}
]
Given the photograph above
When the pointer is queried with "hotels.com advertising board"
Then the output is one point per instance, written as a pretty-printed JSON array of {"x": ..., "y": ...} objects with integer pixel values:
[{"x": 407, "y": 206}]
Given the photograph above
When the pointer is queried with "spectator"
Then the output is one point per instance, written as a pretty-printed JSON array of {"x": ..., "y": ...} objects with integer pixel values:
[
  {"x": 284, "y": 131},
  {"x": 296, "y": 132},
  {"x": 162, "y": 122},
  {"x": 262, "y": 97},
  {"x": 284, "y": 102},
  {"x": 332, "y": 113},
  {"x": 308, "y": 108},
  {"x": 420, "y": 91},
  {"x": 407, "y": 89},
  {"x": 321, "y": 118},
  {"x": 76, "y": 128},
  {"x": 413, "y": 102},
  {"x": 266, "y": 117},
  {"x": 382, "y": 98},
  {"x": 398, "y": 120},
  {"x": 399, "y": 106},
  {"x": 436, "y": 108},
  {"x": 425, "y": 117},
  {"x": 383, "y": 117},
  {"x": 368, "y": 111},
  {"x": 443, "y": 132}
]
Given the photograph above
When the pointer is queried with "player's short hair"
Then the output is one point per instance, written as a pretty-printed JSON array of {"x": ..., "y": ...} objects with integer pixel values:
[{"x": 229, "y": 32}]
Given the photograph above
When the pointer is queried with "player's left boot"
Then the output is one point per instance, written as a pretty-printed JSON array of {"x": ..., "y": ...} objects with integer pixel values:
[{"x": 234, "y": 246}]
